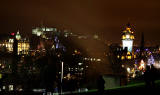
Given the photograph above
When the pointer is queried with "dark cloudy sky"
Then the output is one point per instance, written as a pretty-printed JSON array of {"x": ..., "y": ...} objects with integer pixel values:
[{"x": 104, "y": 17}]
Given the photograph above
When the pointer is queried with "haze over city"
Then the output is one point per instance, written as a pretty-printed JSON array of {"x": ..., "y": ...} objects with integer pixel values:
[
  {"x": 105, "y": 18},
  {"x": 84, "y": 47}
]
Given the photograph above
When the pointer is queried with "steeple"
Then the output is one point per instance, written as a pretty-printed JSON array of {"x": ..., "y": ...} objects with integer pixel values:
[
  {"x": 142, "y": 45},
  {"x": 128, "y": 25},
  {"x": 142, "y": 42}
]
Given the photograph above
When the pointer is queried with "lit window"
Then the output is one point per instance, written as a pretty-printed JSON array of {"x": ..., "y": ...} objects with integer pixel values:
[
  {"x": 128, "y": 53},
  {"x": 129, "y": 57},
  {"x": 132, "y": 37},
  {"x": 123, "y": 37},
  {"x": 122, "y": 58},
  {"x": 98, "y": 59},
  {"x": 10, "y": 87}
]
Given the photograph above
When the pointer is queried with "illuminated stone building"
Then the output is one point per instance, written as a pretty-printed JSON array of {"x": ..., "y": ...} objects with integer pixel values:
[
  {"x": 23, "y": 44},
  {"x": 44, "y": 32}
]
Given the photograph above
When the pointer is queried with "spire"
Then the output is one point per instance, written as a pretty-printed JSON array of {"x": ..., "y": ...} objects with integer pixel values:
[
  {"x": 142, "y": 42},
  {"x": 142, "y": 46},
  {"x": 128, "y": 25},
  {"x": 42, "y": 24}
]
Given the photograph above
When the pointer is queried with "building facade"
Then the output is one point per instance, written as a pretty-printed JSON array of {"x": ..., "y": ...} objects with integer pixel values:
[{"x": 23, "y": 44}]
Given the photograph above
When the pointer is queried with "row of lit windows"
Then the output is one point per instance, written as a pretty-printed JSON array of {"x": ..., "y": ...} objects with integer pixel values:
[
  {"x": 126, "y": 57},
  {"x": 92, "y": 59},
  {"x": 22, "y": 47}
]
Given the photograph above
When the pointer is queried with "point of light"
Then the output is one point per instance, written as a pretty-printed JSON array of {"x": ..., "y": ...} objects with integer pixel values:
[{"x": 128, "y": 70}]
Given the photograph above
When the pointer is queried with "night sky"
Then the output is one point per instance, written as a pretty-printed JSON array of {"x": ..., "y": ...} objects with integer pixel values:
[{"x": 104, "y": 17}]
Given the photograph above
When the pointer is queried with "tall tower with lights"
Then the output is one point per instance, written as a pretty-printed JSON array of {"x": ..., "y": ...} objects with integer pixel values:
[
  {"x": 18, "y": 36},
  {"x": 127, "y": 38}
]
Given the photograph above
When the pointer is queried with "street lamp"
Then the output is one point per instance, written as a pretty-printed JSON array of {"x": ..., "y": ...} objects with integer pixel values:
[{"x": 61, "y": 75}]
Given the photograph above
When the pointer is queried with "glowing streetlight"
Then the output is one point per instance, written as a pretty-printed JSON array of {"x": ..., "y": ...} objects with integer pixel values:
[{"x": 142, "y": 65}]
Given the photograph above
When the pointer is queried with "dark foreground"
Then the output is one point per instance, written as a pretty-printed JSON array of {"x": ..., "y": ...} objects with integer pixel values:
[
  {"x": 136, "y": 89},
  {"x": 128, "y": 91}
]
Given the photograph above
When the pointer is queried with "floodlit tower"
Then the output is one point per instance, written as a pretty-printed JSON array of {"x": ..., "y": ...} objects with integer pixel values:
[
  {"x": 127, "y": 38},
  {"x": 18, "y": 36}
]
